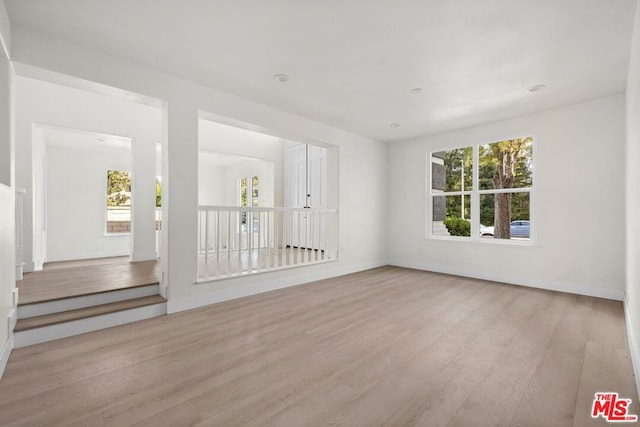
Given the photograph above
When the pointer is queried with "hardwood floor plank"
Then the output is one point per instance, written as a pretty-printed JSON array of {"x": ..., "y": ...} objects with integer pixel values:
[
  {"x": 550, "y": 397},
  {"x": 495, "y": 399},
  {"x": 605, "y": 369}
]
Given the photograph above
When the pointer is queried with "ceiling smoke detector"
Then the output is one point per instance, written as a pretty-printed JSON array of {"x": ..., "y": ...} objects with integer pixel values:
[
  {"x": 282, "y": 78},
  {"x": 416, "y": 90},
  {"x": 536, "y": 88},
  {"x": 394, "y": 125}
]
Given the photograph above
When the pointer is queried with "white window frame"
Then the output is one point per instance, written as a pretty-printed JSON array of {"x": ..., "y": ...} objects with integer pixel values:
[{"x": 475, "y": 193}]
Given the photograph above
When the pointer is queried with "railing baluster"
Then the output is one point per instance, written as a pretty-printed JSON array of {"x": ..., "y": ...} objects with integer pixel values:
[
  {"x": 269, "y": 239},
  {"x": 206, "y": 244},
  {"x": 229, "y": 243},
  {"x": 218, "y": 243}
]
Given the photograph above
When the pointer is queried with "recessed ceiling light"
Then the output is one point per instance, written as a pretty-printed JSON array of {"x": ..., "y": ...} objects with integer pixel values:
[
  {"x": 536, "y": 88},
  {"x": 416, "y": 90},
  {"x": 281, "y": 78},
  {"x": 394, "y": 125}
]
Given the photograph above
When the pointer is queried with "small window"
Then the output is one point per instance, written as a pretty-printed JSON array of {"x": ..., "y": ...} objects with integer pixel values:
[
  {"x": 482, "y": 191},
  {"x": 254, "y": 191},
  {"x": 118, "y": 202}
]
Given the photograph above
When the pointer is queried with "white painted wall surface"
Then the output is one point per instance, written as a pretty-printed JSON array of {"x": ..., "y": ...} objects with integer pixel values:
[
  {"x": 52, "y": 104},
  {"x": 362, "y": 171},
  {"x": 632, "y": 304},
  {"x": 218, "y": 184},
  {"x": 7, "y": 196},
  {"x": 578, "y": 211},
  {"x": 76, "y": 213},
  {"x": 226, "y": 139},
  {"x": 212, "y": 182}
]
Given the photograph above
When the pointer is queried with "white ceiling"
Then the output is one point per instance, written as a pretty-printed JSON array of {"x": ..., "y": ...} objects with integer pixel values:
[{"x": 353, "y": 63}]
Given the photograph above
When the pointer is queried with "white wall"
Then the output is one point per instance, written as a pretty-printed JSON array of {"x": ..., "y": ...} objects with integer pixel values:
[
  {"x": 41, "y": 102},
  {"x": 362, "y": 168},
  {"x": 7, "y": 196},
  {"x": 76, "y": 194},
  {"x": 218, "y": 182},
  {"x": 226, "y": 139},
  {"x": 578, "y": 211},
  {"x": 212, "y": 182},
  {"x": 632, "y": 306}
]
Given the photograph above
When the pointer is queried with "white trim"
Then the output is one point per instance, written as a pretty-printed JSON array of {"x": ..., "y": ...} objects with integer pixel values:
[
  {"x": 144, "y": 256},
  {"x": 552, "y": 285},
  {"x": 5, "y": 353},
  {"x": 13, "y": 319},
  {"x": 259, "y": 285},
  {"x": 87, "y": 255},
  {"x": 28, "y": 267},
  {"x": 634, "y": 350}
]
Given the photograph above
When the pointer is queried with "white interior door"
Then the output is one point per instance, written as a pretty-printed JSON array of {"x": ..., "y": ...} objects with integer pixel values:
[{"x": 305, "y": 177}]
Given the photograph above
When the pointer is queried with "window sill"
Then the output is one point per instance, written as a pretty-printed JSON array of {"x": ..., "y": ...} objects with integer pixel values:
[
  {"x": 488, "y": 241},
  {"x": 116, "y": 234}
]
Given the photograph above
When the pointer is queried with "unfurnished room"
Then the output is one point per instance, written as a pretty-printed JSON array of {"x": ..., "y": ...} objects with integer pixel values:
[{"x": 337, "y": 213}]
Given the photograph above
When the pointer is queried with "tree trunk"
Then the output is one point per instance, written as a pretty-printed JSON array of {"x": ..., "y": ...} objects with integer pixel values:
[
  {"x": 504, "y": 177},
  {"x": 502, "y": 227}
]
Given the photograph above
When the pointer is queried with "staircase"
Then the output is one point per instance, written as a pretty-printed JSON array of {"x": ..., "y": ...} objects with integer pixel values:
[{"x": 49, "y": 320}]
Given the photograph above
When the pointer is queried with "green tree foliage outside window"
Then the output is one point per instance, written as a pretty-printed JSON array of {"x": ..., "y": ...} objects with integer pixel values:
[
  {"x": 118, "y": 188},
  {"x": 158, "y": 193},
  {"x": 458, "y": 226}
]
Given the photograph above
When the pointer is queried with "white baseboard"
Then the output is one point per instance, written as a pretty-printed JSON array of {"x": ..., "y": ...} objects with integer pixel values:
[
  {"x": 81, "y": 326},
  {"x": 144, "y": 256},
  {"x": 238, "y": 287},
  {"x": 86, "y": 255},
  {"x": 19, "y": 272},
  {"x": 634, "y": 350},
  {"x": 13, "y": 319},
  {"x": 28, "y": 267},
  {"x": 5, "y": 353},
  {"x": 612, "y": 294}
]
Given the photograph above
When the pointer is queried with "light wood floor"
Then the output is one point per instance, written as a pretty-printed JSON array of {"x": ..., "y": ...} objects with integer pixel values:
[
  {"x": 389, "y": 346},
  {"x": 65, "y": 279}
]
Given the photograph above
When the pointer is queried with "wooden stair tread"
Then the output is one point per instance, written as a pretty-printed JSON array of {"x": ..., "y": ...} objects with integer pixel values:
[
  {"x": 83, "y": 313},
  {"x": 61, "y": 295}
]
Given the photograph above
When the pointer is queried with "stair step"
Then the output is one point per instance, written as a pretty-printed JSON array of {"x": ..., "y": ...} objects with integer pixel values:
[
  {"x": 83, "y": 313},
  {"x": 81, "y": 301}
]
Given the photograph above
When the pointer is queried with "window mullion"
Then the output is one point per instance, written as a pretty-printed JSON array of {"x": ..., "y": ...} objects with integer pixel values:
[{"x": 475, "y": 196}]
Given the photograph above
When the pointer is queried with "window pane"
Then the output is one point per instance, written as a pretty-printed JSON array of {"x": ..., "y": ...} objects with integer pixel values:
[
  {"x": 451, "y": 216},
  {"x": 118, "y": 202},
  {"x": 451, "y": 170},
  {"x": 254, "y": 191},
  {"x": 506, "y": 164},
  {"x": 505, "y": 215}
]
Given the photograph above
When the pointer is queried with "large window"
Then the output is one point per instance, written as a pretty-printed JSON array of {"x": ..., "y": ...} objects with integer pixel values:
[{"x": 482, "y": 192}]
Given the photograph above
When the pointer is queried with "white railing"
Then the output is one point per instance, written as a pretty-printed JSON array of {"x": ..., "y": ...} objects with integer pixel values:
[{"x": 236, "y": 241}]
